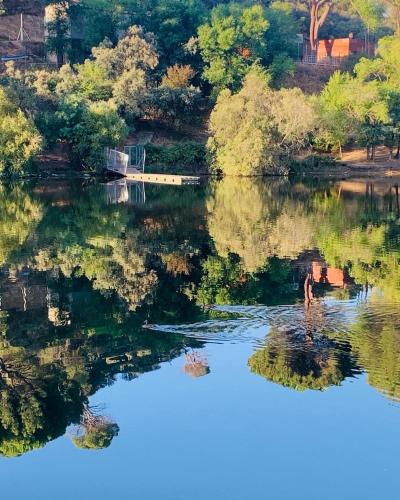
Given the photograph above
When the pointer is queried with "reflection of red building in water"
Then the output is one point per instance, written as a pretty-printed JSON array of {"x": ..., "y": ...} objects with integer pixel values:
[{"x": 324, "y": 274}]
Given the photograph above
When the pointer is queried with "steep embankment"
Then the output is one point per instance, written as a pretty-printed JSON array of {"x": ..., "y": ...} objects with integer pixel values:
[
  {"x": 310, "y": 78},
  {"x": 33, "y": 28},
  {"x": 32, "y": 7}
]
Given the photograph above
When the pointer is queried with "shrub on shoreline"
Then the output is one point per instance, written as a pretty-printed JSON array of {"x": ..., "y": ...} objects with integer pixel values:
[{"x": 181, "y": 155}]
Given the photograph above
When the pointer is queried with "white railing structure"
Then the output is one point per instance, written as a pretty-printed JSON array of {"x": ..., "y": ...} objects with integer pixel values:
[
  {"x": 123, "y": 191},
  {"x": 116, "y": 161},
  {"x": 137, "y": 156},
  {"x": 117, "y": 192},
  {"x": 331, "y": 61},
  {"x": 137, "y": 193}
]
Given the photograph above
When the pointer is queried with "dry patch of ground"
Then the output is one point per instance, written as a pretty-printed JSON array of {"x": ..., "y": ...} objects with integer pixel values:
[
  {"x": 310, "y": 78},
  {"x": 383, "y": 165}
]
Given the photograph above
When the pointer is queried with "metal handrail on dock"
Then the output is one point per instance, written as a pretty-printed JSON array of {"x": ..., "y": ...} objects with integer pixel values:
[
  {"x": 137, "y": 156},
  {"x": 116, "y": 161},
  {"x": 132, "y": 157},
  {"x": 131, "y": 164}
]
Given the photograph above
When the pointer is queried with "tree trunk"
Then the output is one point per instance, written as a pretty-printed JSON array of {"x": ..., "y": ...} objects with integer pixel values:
[
  {"x": 397, "y": 22},
  {"x": 391, "y": 147},
  {"x": 318, "y": 19},
  {"x": 397, "y": 156},
  {"x": 313, "y": 22}
]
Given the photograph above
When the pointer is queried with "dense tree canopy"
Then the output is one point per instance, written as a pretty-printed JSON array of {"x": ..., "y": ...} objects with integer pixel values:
[
  {"x": 232, "y": 41},
  {"x": 255, "y": 131},
  {"x": 363, "y": 107},
  {"x": 19, "y": 138}
]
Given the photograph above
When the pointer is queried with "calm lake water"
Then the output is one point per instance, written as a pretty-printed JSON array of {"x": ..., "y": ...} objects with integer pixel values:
[{"x": 234, "y": 341}]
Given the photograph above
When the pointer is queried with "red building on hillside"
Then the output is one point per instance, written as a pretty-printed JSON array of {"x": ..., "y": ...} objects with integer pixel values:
[{"x": 335, "y": 50}]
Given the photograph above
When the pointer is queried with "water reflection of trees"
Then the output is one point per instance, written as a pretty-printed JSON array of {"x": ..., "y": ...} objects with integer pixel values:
[
  {"x": 301, "y": 353},
  {"x": 362, "y": 232},
  {"x": 19, "y": 216},
  {"x": 95, "y": 431},
  {"x": 49, "y": 370},
  {"x": 88, "y": 276},
  {"x": 292, "y": 360},
  {"x": 256, "y": 220},
  {"x": 352, "y": 224},
  {"x": 37, "y": 402},
  {"x": 225, "y": 281},
  {"x": 375, "y": 344}
]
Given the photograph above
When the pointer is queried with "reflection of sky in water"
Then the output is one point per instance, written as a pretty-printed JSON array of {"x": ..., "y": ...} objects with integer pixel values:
[{"x": 227, "y": 435}]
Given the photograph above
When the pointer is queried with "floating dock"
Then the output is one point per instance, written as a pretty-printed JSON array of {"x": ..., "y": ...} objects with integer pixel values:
[
  {"x": 130, "y": 164},
  {"x": 173, "y": 180}
]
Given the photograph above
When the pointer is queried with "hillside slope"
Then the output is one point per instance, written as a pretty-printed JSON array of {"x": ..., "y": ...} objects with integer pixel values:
[
  {"x": 310, "y": 78},
  {"x": 32, "y": 7}
]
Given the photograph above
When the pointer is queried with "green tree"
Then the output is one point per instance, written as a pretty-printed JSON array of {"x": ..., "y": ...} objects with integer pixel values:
[
  {"x": 117, "y": 74},
  {"x": 383, "y": 67},
  {"x": 127, "y": 66},
  {"x": 88, "y": 128},
  {"x": 174, "y": 22},
  {"x": 256, "y": 131},
  {"x": 371, "y": 12},
  {"x": 394, "y": 17},
  {"x": 281, "y": 39},
  {"x": 20, "y": 141},
  {"x": 382, "y": 70},
  {"x": 58, "y": 31},
  {"x": 336, "y": 124},
  {"x": 351, "y": 108},
  {"x": 231, "y": 43},
  {"x": 173, "y": 106}
]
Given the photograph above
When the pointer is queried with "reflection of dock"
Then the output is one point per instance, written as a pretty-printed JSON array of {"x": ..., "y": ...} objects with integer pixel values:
[{"x": 124, "y": 191}]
